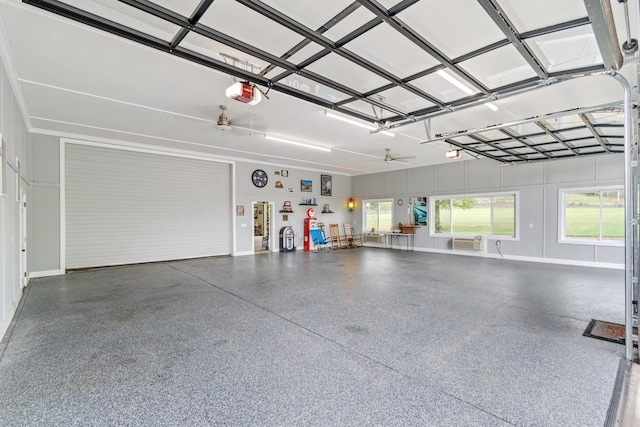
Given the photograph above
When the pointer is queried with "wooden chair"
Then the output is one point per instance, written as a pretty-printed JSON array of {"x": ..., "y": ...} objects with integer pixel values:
[
  {"x": 353, "y": 240},
  {"x": 337, "y": 241}
]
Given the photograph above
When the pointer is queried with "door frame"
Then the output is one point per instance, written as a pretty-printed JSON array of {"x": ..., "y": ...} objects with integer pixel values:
[{"x": 271, "y": 207}]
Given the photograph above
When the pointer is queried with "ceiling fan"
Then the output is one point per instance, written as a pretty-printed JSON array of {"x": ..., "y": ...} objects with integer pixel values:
[
  {"x": 389, "y": 158},
  {"x": 224, "y": 124}
]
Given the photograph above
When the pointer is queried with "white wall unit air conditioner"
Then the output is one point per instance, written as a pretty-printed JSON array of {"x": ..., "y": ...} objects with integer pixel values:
[{"x": 474, "y": 244}]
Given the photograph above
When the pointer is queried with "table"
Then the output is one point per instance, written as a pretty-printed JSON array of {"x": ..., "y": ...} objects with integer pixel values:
[{"x": 388, "y": 237}]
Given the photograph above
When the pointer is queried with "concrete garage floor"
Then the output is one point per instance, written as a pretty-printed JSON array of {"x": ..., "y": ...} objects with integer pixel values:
[{"x": 353, "y": 337}]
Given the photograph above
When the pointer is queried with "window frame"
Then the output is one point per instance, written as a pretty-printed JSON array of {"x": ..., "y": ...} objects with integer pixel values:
[
  {"x": 516, "y": 207},
  {"x": 562, "y": 238},
  {"x": 364, "y": 213}
]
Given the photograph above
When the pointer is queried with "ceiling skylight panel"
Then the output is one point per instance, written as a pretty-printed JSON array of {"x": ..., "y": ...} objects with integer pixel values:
[
  {"x": 533, "y": 15},
  {"x": 347, "y": 73},
  {"x": 129, "y": 17},
  {"x": 565, "y": 50},
  {"x": 391, "y": 51},
  {"x": 472, "y": 30},
  {"x": 311, "y": 87},
  {"x": 242, "y": 23},
  {"x": 311, "y": 13},
  {"x": 499, "y": 67},
  {"x": 181, "y": 7}
]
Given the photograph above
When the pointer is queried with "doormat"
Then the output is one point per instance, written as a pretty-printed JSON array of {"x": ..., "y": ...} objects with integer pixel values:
[{"x": 607, "y": 331}]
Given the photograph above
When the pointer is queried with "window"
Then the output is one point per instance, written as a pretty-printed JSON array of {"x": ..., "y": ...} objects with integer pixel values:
[
  {"x": 592, "y": 215},
  {"x": 378, "y": 215},
  {"x": 472, "y": 215}
]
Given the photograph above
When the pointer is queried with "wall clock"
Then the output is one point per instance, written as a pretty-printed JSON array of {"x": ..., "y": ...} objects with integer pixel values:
[{"x": 259, "y": 178}]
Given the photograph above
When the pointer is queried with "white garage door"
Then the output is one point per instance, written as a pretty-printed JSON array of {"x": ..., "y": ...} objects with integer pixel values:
[{"x": 126, "y": 207}]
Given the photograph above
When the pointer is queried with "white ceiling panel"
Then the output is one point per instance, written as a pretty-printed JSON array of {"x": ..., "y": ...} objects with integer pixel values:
[
  {"x": 392, "y": 51},
  {"x": 532, "y": 15},
  {"x": 182, "y": 7},
  {"x": 366, "y": 108},
  {"x": 473, "y": 28},
  {"x": 311, "y": 87},
  {"x": 442, "y": 88},
  {"x": 245, "y": 24},
  {"x": 311, "y": 13},
  {"x": 568, "y": 49},
  {"x": 578, "y": 133},
  {"x": 499, "y": 67},
  {"x": 347, "y": 73},
  {"x": 128, "y": 16},
  {"x": 355, "y": 20},
  {"x": 223, "y": 53},
  {"x": 306, "y": 52},
  {"x": 404, "y": 99}
]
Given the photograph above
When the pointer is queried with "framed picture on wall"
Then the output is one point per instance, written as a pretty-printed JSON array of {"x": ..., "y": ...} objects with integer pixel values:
[
  {"x": 325, "y": 185},
  {"x": 306, "y": 185}
]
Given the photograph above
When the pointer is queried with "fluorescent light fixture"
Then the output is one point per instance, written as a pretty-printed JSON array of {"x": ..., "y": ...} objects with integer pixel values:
[
  {"x": 355, "y": 123},
  {"x": 491, "y": 106},
  {"x": 457, "y": 83},
  {"x": 299, "y": 144}
]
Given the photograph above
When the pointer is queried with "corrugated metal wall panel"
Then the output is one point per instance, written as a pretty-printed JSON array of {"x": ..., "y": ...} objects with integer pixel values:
[
  {"x": 126, "y": 207},
  {"x": 43, "y": 154},
  {"x": 43, "y": 228}
]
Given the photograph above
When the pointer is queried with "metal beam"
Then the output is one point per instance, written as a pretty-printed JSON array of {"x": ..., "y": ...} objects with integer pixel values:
[
  {"x": 521, "y": 140},
  {"x": 596, "y": 135},
  {"x": 604, "y": 29},
  {"x": 542, "y": 117},
  {"x": 418, "y": 40},
  {"x": 544, "y": 126},
  {"x": 473, "y": 150},
  {"x": 500, "y": 19}
]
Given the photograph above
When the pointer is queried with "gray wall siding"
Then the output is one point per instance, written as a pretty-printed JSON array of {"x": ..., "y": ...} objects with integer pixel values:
[
  {"x": 43, "y": 213},
  {"x": 14, "y": 133},
  {"x": 538, "y": 185}
]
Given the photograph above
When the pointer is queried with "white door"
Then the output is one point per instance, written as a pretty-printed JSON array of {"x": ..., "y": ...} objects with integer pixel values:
[{"x": 23, "y": 240}]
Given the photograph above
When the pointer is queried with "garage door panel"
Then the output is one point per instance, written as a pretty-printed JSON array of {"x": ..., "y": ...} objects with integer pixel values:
[{"x": 126, "y": 207}]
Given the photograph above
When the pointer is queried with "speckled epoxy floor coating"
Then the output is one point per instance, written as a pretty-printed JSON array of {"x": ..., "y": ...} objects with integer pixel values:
[{"x": 344, "y": 338}]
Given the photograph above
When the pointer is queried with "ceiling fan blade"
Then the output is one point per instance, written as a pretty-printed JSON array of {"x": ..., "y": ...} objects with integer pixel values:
[{"x": 403, "y": 158}]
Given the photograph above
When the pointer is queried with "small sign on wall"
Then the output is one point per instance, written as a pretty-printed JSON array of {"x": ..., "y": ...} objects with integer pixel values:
[{"x": 240, "y": 210}]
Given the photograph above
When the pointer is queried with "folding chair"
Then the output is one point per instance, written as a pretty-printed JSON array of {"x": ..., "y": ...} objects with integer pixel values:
[
  {"x": 319, "y": 241},
  {"x": 352, "y": 239}
]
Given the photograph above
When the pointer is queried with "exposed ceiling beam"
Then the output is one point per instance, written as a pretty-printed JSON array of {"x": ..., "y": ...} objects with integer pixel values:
[
  {"x": 508, "y": 29},
  {"x": 523, "y": 141},
  {"x": 596, "y": 135},
  {"x": 552, "y": 134},
  {"x": 604, "y": 29}
]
